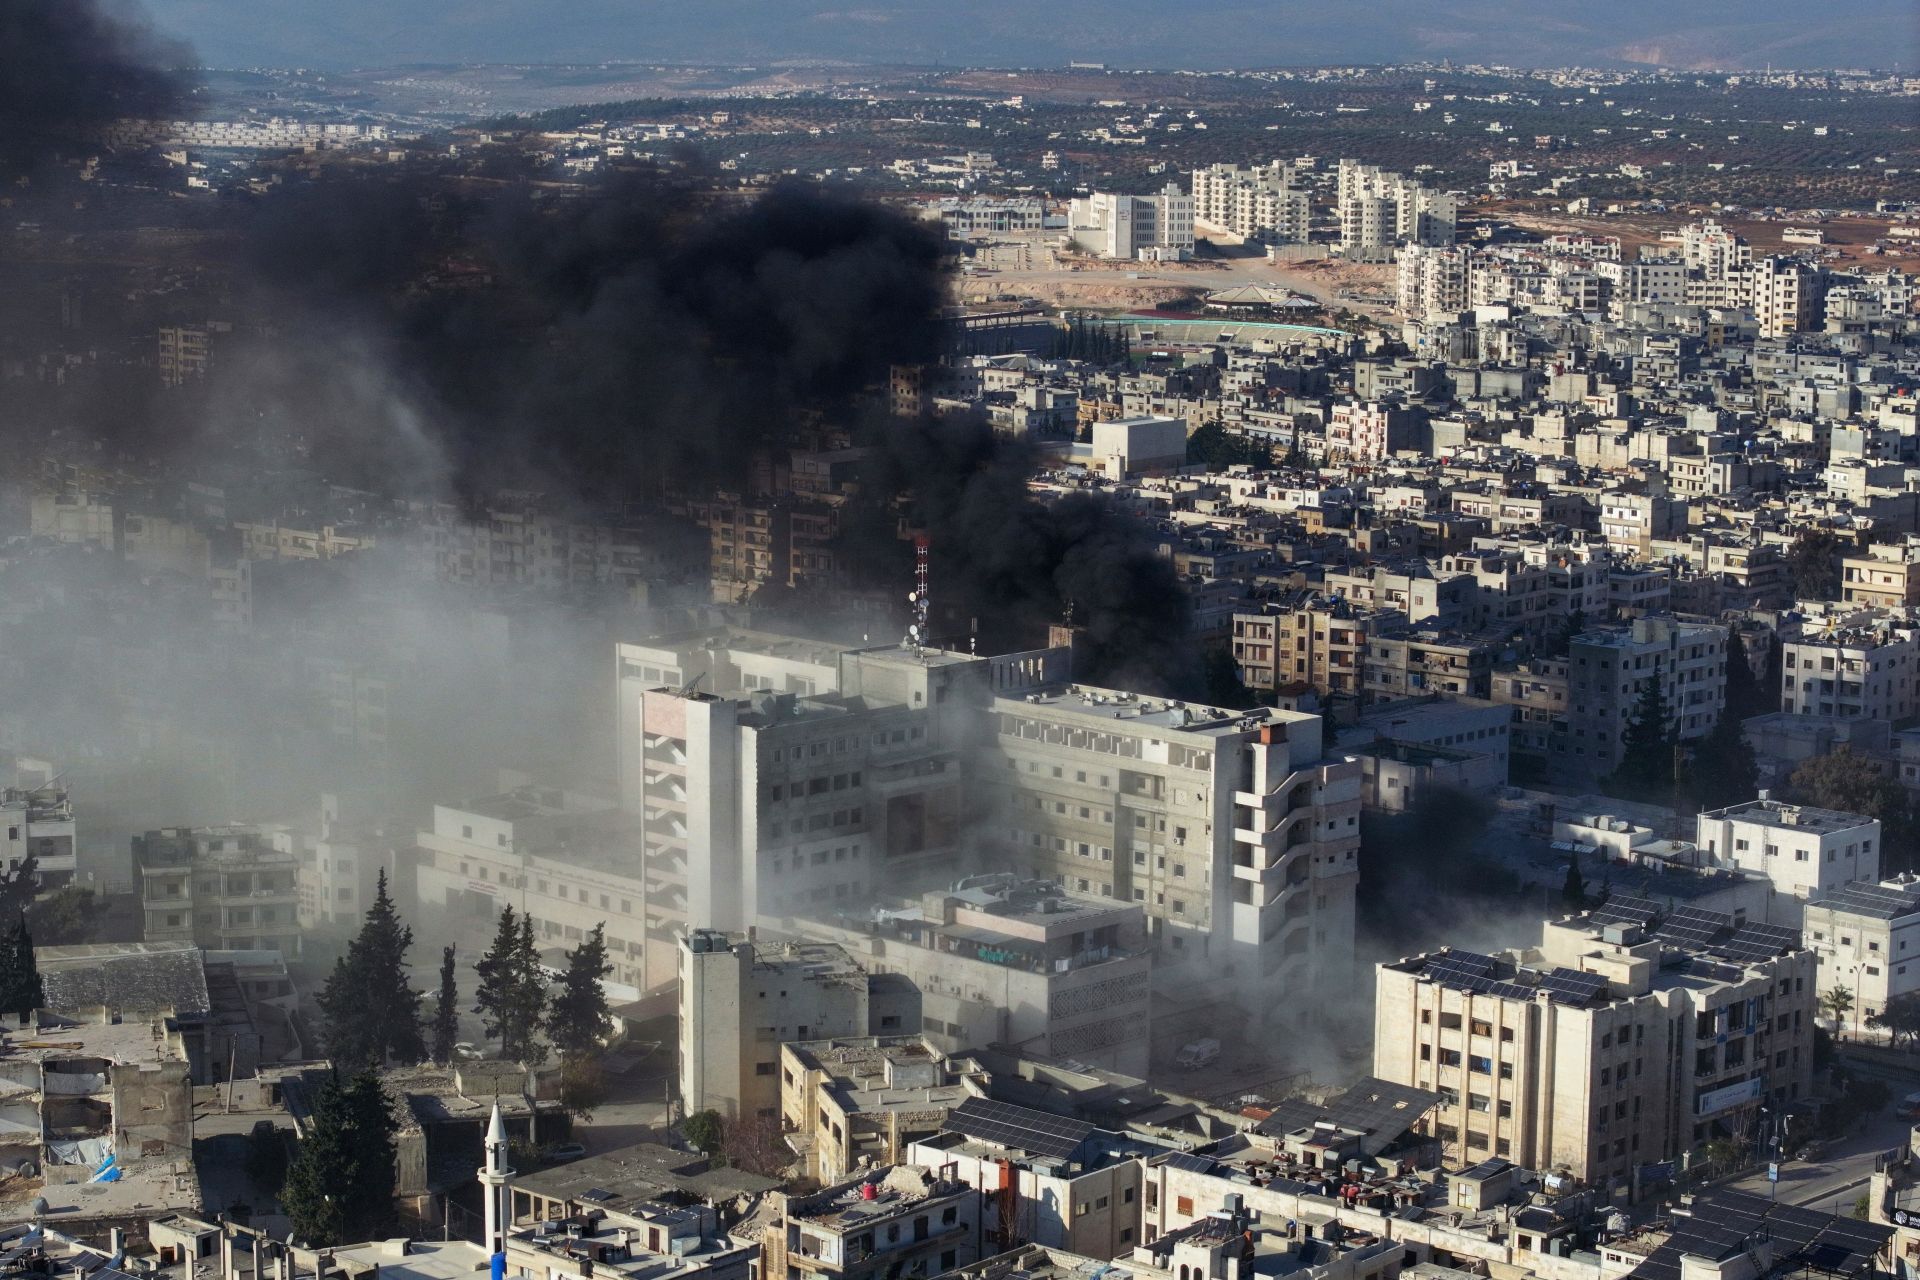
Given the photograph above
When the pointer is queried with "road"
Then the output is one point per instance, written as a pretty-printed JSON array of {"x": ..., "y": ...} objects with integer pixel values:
[{"x": 1839, "y": 1176}]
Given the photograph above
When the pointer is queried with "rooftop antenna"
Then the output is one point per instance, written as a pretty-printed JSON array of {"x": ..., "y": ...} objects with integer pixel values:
[{"x": 918, "y": 597}]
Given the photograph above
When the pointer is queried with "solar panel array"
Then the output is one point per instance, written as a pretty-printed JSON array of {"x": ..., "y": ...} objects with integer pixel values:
[
  {"x": 1186, "y": 1162},
  {"x": 1721, "y": 1221},
  {"x": 1462, "y": 970},
  {"x": 1753, "y": 943},
  {"x": 1572, "y": 986},
  {"x": 1035, "y": 1132},
  {"x": 1623, "y": 908},
  {"x": 1693, "y": 927},
  {"x": 1873, "y": 899}
]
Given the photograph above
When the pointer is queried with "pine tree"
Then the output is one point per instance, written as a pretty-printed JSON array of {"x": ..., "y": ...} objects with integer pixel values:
[
  {"x": 1723, "y": 769},
  {"x": 579, "y": 1016},
  {"x": 513, "y": 990},
  {"x": 339, "y": 1188},
  {"x": 371, "y": 1010},
  {"x": 21, "y": 990},
  {"x": 446, "y": 1012},
  {"x": 1646, "y": 759}
]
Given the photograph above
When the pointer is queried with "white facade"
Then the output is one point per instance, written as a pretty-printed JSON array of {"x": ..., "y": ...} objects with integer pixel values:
[
  {"x": 1805, "y": 852},
  {"x": 1118, "y": 226},
  {"x": 1867, "y": 938},
  {"x": 1257, "y": 203}
]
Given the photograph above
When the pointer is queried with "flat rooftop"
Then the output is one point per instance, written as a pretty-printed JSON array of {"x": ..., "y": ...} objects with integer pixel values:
[
  {"x": 1791, "y": 817},
  {"x": 1121, "y": 711}
]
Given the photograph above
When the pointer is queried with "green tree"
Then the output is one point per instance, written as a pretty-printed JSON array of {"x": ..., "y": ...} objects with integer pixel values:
[
  {"x": 1900, "y": 1018},
  {"x": 1645, "y": 771},
  {"x": 583, "y": 1086},
  {"x": 370, "y": 1009},
  {"x": 18, "y": 887},
  {"x": 446, "y": 1010},
  {"x": 1837, "y": 1003},
  {"x": 1219, "y": 448},
  {"x": 513, "y": 990},
  {"x": 1573, "y": 890},
  {"x": 705, "y": 1130},
  {"x": 68, "y": 916},
  {"x": 1813, "y": 562},
  {"x": 339, "y": 1188},
  {"x": 267, "y": 1158},
  {"x": 21, "y": 990},
  {"x": 1854, "y": 783},
  {"x": 1722, "y": 1155},
  {"x": 578, "y": 1018},
  {"x": 1721, "y": 768}
]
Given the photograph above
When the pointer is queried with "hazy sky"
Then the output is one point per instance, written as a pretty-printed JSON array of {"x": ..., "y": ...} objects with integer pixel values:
[{"x": 1192, "y": 33}]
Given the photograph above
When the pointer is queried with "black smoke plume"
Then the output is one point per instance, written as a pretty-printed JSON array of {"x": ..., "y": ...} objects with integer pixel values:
[{"x": 70, "y": 67}]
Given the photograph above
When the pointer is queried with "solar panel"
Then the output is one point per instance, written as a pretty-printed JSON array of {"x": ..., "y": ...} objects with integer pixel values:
[
  {"x": 1693, "y": 927},
  {"x": 1751, "y": 943},
  {"x": 1511, "y": 991},
  {"x": 1186, "y": 1162},
  {"x": 1035, "y": 1132},
  {"x": 1572, "y": 986},
  {"x": 1721, "y": 1221},
  {"x": 1622, "y": 908}
]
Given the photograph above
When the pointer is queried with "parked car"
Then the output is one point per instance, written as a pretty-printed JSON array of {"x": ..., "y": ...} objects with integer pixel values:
[
  {"x": 1908, "y": 1108},
  {"x": 563, "y": 1152}
]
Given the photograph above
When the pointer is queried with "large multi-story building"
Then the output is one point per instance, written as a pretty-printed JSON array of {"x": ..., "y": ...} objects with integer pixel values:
[
  {"x": 1433, "y": 280},
  {"x": 1860, "y": 667},
  {"x": 1233, "y": 830},
  {"x": 1229, "y": 829},
  {"x": 1805, "y": 852},
  {"x": 1606, "y": 671},
  {"x": 1254, "y": 203},
  {"x": 860, "y": 1100},
  {"x": 1380, "y": 211},
  {"x": 1119, "y": 226},
  {"x": 232, "y": 888},
  {"x": 1626, "y": 1037},
  {"x": 568, "y": 863}
]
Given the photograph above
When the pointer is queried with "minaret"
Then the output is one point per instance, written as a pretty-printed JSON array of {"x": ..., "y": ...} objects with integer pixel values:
[{"x": 494, "y": 1176}]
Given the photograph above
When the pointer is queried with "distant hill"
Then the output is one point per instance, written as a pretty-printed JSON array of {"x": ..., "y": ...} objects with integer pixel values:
[{"x": 1198, "y": 34}]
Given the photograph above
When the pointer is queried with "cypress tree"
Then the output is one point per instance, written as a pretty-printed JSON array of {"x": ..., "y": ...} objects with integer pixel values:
[
  {"x": 446, "y": 1012},
  {"x": 513, "y": 993},
  {"x": 339, "y": 1188},
  {"x": 21, "y": 990},
  {"x": 579, "y": 1016},
  {"x": 371, "y": 1010}
]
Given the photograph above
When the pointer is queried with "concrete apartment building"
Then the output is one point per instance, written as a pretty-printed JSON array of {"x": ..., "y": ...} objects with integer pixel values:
[
  {"x": 1433, "y": 281},
  {"x": 1787, "y": 296},
  {"x": 1867, "y": 938},
  {"x": 802, "y": 805},
  {"x": 902, "y": 1221},
  {"x": 1234, "y": 831},
  {"x": 1379, "y": 211},
  {"x": 1865, "y": 666},
  {"x": 1624, "y": 1038},
  {"x": 861, "y": 1101},
  {"x": 89, "y": 1087},
  {"x": 1606, "y": 668},
  {"x": 1153, "y": 228},
  {"x": 1804, "y": 852},
  {"x": 37, "y": 823},
  {"x": 1881, "y": 577},
  {"x": 1047, "y": 1180},
  {"x": 740, "y": 1000},
  {"x": 1257, "y": 202},
  {"x": 1317, "y": 643},
  {"x": 567, "y": 862},
  {"x": 231, "y": 888}
]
